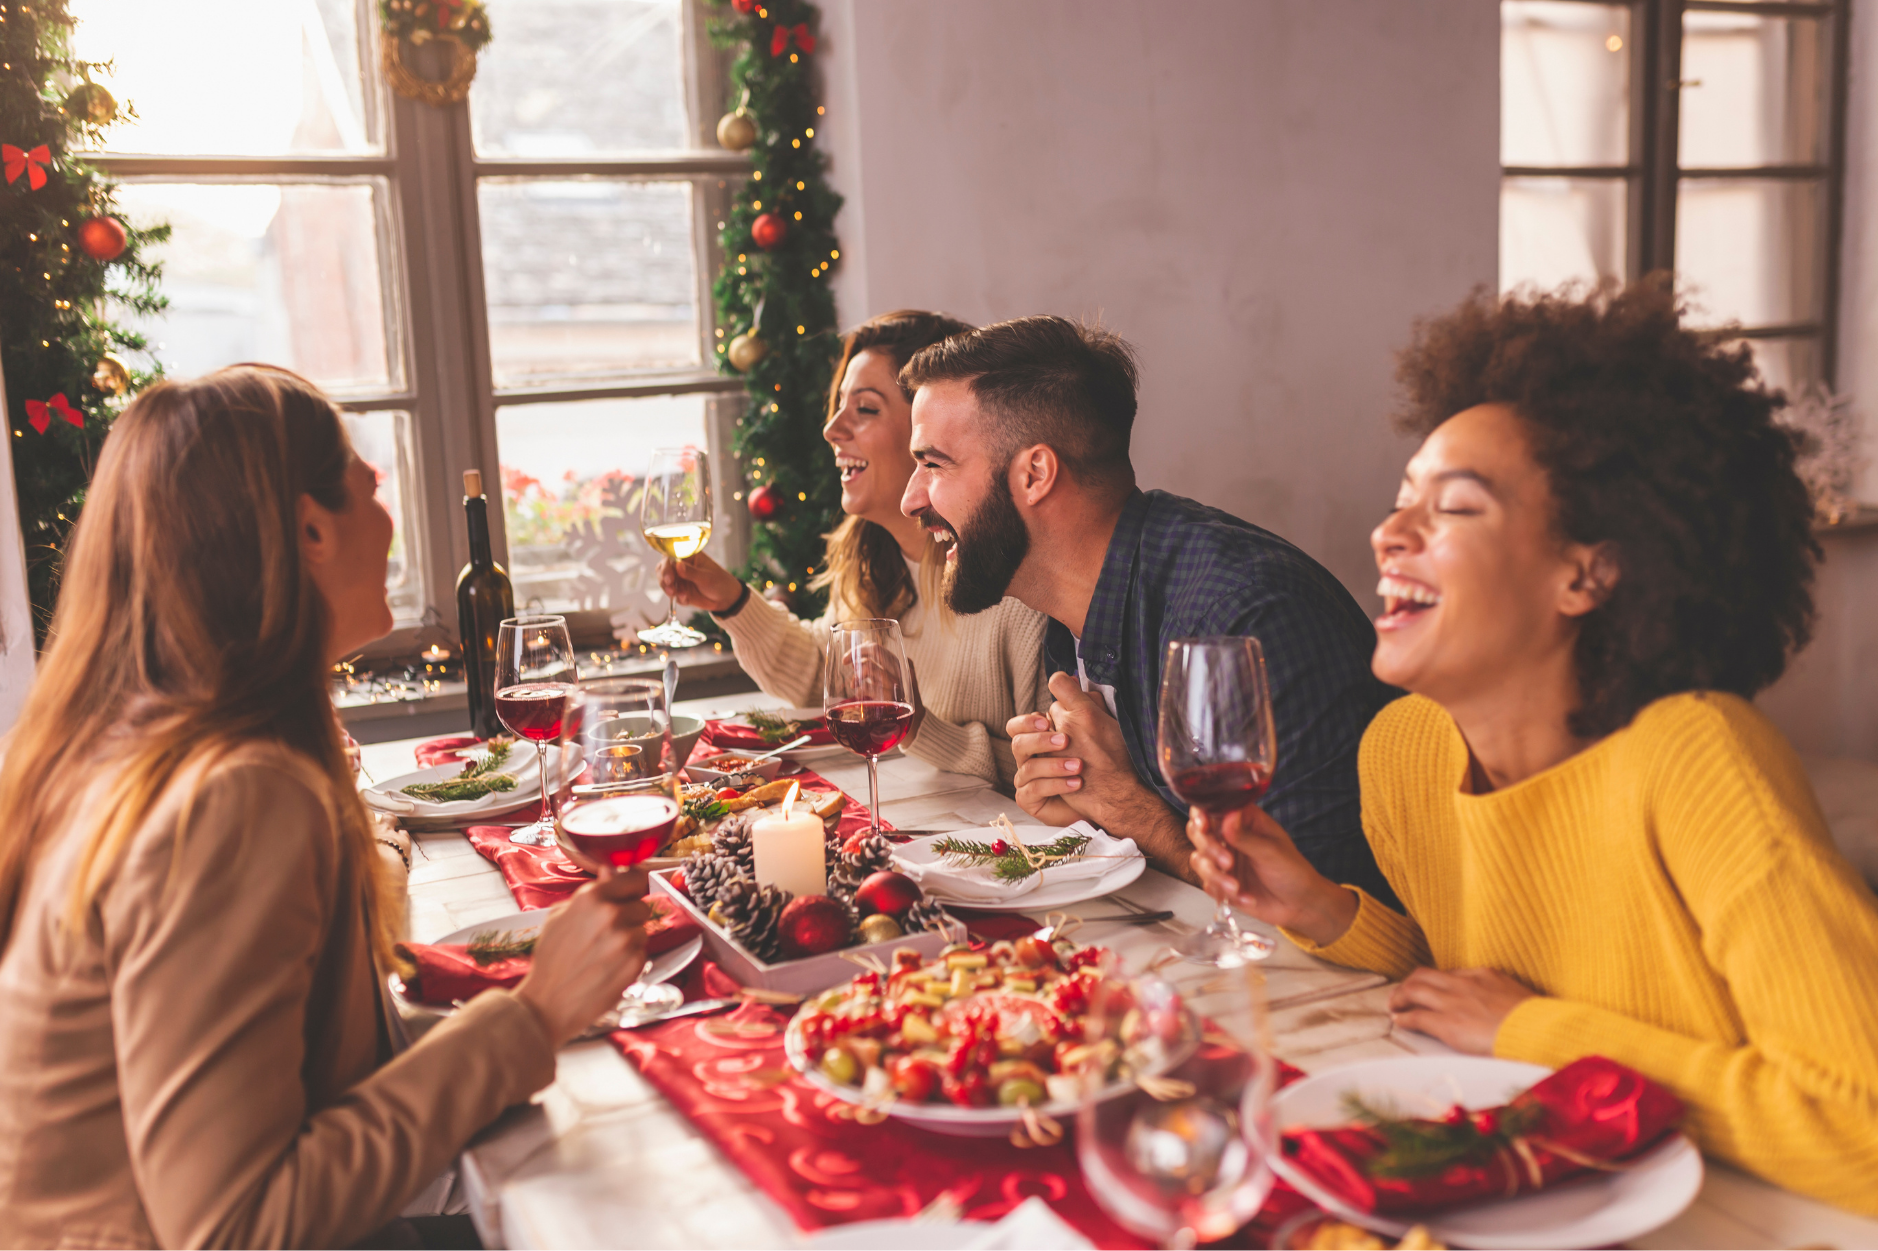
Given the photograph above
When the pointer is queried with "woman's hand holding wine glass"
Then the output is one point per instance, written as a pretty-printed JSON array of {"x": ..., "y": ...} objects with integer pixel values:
[
  {"x": 591, "y": 948},
  {"x": 699, "y": 582},
  {"x": 675, "y": 518},
  {"x": 1246, "y": 859}
]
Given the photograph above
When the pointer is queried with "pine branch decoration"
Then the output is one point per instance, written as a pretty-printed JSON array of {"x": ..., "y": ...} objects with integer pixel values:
[
  {"x": 493, "y": 945},
  {"x": 1417, "y": 1147},
  {"x": 479, "y": 778},
  {"x": 1010, "y": 859},
  {"x": 782, "y": 293}
]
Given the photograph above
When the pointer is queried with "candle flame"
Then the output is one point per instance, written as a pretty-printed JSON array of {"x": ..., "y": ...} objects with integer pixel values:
[{"x": 789, "y": 800}]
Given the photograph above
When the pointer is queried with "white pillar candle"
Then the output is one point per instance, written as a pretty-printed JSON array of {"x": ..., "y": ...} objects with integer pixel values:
[{"x": 789, "y": 853}]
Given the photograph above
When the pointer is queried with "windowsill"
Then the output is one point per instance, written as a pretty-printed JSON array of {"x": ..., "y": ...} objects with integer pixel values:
[
  {"x": 1862, "y": 520},
  {"x": 444, "y": 707}
]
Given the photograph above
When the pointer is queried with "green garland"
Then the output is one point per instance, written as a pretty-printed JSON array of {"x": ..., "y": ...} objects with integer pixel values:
[
  {"x": 54, "y": 327},
  {"x": 778, "y": 441}
]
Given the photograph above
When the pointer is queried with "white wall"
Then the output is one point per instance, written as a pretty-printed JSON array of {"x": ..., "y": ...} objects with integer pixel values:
[
  {"x": 1261, "y": 195},
  {"x": 16, "y": 621}
]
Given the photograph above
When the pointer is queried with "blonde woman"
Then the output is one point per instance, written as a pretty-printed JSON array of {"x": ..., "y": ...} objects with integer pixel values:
[
  {"x": 193, "y": 1050},
  {"x": 975, "y": 673}
]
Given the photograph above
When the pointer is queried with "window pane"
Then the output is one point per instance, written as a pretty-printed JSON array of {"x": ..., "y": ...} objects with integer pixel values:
[
  {"x": 1564, "y": 83},
  {"x": 588, "y": 277},
  {"x": 233, "y": 77},
  {"x": 1788, "y": 365},
  {"x": 287, "y": 274},
  {"x": 570, "y": 475},
  {"x": 1751, "y": 250},
  {"x": 382, "y": 440},
  {"x": 1555, "y": 230},
  {"x": 1755, "y": 90},
  {"x": 580, "y": 78}
]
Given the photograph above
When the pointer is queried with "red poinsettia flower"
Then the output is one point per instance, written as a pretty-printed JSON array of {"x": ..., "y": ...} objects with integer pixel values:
[{"x": 39, "y": 413}]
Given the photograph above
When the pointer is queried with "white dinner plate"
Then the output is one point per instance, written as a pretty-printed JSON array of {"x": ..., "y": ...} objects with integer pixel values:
[
  {"x": 813, "y": 752},
  {"x": 916, "y": 857},
  {"x": 661, "y": 968},
  {"x": 1593, "y": 1210},
  {"x": 522, "y": 765}
]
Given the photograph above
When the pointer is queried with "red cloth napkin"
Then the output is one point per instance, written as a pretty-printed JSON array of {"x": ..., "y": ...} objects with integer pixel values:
[
  {"x": 1592, "y": 1109},
  {"x": 438, "y": 751},
  {"x": 724, "y": 734},
  {"x": 728, "y": 1075},
  {"x": 446, "y": 972}
]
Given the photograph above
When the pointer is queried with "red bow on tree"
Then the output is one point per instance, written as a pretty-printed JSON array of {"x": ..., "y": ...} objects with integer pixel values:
[
  {"x": 743, "y": 6},
  {"x": 779, "y": 41},
  {"x": 443, "y": 8},
  {"x": 39, "y": 412},
  {"x": 31, "y": 163}
]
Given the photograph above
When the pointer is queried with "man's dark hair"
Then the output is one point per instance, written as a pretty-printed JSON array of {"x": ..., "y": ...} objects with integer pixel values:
[
  {"x": 1045, "y": 380},
  {"x": 1660, "y": 442}
]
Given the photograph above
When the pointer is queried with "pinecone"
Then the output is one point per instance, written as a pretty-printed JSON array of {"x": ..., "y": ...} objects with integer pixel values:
[
  {"x": 706, "y": 875},
  {"x": 732, "y": 840},
  {"x": 847, "y": 871},
  {"x": 925, "y": 914},
  {"x": 749, "y": 913}
]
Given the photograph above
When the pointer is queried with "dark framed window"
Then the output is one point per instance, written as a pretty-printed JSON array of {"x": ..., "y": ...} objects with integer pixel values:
[{"x": 1703, "y": 136}]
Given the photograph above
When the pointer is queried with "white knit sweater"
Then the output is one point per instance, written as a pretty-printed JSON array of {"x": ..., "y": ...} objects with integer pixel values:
[{"x": 975, "y": 674}]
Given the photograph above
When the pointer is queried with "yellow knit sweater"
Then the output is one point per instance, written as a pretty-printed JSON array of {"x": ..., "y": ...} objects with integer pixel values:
[{"x": 1675, "y": 899}]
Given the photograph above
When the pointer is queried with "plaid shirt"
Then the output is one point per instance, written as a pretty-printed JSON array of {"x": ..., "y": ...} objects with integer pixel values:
[{"x": 1178, "y": 569}]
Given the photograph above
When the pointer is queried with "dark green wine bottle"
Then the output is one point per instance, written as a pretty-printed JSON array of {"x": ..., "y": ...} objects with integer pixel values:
[{"x": 484, "y": 599}]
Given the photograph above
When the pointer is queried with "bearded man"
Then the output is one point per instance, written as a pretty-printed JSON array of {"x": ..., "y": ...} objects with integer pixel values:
[{"x": 1020, "y": 434}]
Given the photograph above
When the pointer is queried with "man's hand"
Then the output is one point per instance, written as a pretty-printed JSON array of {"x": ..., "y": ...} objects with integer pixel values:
[
  {"x": 699, "y": 583},
  {"x": 1463, "y": 1009},
  {"x": 1079, "y": 769}
]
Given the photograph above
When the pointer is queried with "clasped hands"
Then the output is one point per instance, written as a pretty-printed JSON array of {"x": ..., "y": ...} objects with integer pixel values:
[
  {"x": 1247, "y": 859},
  {"x": 1072, "y": 765}
]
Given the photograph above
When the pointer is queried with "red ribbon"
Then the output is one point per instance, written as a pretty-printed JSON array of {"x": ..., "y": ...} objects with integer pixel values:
[
  {"x": 443, "y": 8},
  {"x": 32, "y": 164},
  {"x": 39, "y": 412},
  {"x": 779, "y": 40}
]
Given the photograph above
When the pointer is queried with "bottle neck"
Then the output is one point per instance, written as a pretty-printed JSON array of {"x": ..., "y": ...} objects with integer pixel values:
[{"x": 476, "y": 507}]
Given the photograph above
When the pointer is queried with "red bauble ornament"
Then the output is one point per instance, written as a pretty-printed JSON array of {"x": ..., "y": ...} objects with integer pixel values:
[
  {"x": 769, "y": 230},
  {"x": 678, "y": 883},
  {"x": 886, "y": 892},
  {"x": 103, "y": 238},
  {"x": 813, "y": 924},
  {"x": 856, "y": 844},
  {"x": 765, "y": 502}
]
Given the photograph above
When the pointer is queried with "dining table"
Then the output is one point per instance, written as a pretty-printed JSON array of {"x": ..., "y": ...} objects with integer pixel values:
[{"x": 600, "y": 1159}]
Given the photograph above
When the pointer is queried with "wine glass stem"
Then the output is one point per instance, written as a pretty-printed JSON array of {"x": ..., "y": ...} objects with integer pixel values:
[
  {"x": 1223, "y": 919},
  {"x": 873, "y": 792},
  {"x": 541, "y": 761}
]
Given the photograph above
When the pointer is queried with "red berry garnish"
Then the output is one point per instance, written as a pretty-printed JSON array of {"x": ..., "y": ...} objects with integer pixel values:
[
  {"x": 1487, "y": 1123},
  {"x": 1457, "y": 1115},
  {"x": 999, "y": 847}
]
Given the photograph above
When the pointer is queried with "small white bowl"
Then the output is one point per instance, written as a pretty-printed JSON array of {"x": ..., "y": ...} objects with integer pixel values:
[{"x": 768, "y": 769}]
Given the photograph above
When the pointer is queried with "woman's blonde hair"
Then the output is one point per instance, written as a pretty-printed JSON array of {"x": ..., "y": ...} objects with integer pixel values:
[
  {"x": 187, "y": 628},
  {"x": 866, "y": 572}
]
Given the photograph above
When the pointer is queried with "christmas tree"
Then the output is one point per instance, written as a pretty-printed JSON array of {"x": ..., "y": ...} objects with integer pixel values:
[
  {"x": 775, "y": 311},
  {"x": 66, "y": 258}
]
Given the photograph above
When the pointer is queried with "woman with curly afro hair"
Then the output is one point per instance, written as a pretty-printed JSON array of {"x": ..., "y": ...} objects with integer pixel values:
[{"x": 1598, "y": 555}]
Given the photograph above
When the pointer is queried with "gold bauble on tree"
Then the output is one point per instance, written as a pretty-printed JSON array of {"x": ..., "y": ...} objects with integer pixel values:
[
  {"x": 736, "y": 130},
  {"x": 110, "y": 376},
  {"x": 745, "y": 351}
]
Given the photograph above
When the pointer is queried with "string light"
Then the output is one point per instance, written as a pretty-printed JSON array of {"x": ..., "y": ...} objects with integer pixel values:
[
  {"x": 798, "y": 214},
  {"x": 801, "y": 186},
  {"x": 801, "y": 330},
  {"x": 836, "y": 254},
  {"x": 756, "y": 204},
  {"x": 804, "y": 497},
  {"x": 819, "y": 110},
  {"x": 792, "y": 61},
  {"x": 795, "y": 143},
  {"x": 758, "y": 175},
  {"x": 810, "y": 132}
]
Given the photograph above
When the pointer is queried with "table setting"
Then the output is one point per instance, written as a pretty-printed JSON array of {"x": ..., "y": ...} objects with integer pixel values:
[{"x": 937, "y": 1082}]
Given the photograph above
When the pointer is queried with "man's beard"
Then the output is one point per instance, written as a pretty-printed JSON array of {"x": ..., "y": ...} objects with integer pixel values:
[{"x": 991, "y": 545}]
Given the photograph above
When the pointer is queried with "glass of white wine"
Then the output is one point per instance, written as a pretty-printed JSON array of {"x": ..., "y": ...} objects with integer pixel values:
[{"x": 676, "y": 521}]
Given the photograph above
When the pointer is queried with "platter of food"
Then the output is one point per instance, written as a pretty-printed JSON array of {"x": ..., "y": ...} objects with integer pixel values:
[
  {"x": 721, "y": 765},
  {"x": 982, "y": 1043},
  {"x": 707, "y": 805},
  {"x": 500, "y": 779}
]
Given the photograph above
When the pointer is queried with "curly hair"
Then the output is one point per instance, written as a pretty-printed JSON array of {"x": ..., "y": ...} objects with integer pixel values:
[{"x": 1661, "y": 443}]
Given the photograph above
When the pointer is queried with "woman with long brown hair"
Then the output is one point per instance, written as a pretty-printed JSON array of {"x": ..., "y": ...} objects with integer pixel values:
[
  {"x": 193, "y": 1049},
  {"x": 975, "y": 673}
]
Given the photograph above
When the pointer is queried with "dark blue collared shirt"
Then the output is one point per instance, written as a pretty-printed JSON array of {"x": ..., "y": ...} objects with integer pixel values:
[{"x": 1178, "y": 569}]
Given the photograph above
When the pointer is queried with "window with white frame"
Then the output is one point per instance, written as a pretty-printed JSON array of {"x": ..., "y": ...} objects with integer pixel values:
[
  {"x": 517, "y": 284},
  {"x": 1705, "y": 136}
]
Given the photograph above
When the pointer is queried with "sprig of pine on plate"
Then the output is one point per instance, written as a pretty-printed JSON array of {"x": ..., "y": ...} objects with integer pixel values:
[
  {"x": 1009, "y": 858},
  {"x": 492, "y": 945},
  {"x": 479, "y": 777},
  {"x": 773, "y": 727},
  {"x": 1418, "y": 1147}
]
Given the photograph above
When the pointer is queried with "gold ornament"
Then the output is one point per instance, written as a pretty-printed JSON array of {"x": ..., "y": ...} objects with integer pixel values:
[
  {"x": 880, "y": 928},
  {"x": 745, "y": 351},
  {"x": 110, "y": 376},
  {"x": 90, "y": 102},
  {"x": 736, "y": 131}
]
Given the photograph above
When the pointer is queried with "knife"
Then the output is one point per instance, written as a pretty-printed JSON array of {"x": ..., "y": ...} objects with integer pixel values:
[{"x": 689, "y": 1009}]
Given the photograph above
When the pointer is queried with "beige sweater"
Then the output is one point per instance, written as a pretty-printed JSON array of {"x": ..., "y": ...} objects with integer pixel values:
[{"x": 975, "y": 674}]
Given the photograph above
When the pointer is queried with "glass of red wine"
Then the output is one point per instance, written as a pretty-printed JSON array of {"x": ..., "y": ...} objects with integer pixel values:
[
  {"x": 869, "y": 693},
  {"x": 623, "y": 812},
  {"x": 534, "y": 676},
  {"x": 1218, "y": 748}
]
